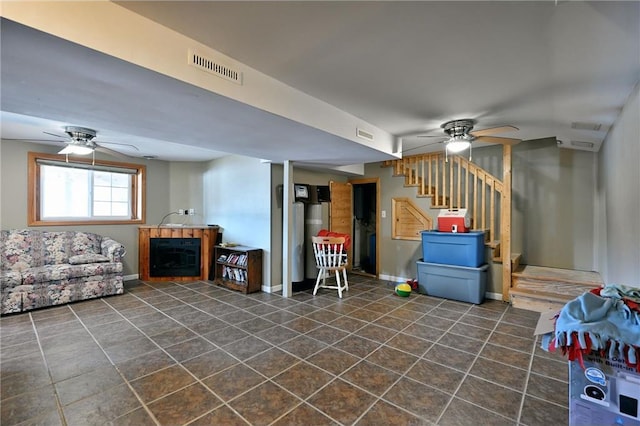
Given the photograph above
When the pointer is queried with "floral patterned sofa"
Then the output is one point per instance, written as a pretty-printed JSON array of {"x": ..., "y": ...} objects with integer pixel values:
[{"x": 44, "y": 268}]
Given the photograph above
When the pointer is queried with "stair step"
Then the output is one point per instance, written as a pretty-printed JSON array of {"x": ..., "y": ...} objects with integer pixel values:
[{"x": 538, "y": 288}]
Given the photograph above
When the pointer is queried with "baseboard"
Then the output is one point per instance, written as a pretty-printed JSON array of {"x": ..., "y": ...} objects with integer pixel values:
[
  {"x": 272, "y": 289},
  {"x": 130, "y": 277},
  {"x": 487, "y": 295}
]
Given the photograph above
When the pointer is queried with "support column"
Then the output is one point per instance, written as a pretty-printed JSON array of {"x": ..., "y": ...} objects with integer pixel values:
[
  {"x": 287, "y": 228},
  {"x": 505, "y": 222}
]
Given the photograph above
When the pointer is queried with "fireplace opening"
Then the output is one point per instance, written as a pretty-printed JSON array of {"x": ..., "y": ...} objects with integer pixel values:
[{"x": 174, "y": 257}]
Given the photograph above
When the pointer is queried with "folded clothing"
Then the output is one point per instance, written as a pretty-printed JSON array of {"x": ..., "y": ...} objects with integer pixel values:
[{"x": 592, "y": 322}]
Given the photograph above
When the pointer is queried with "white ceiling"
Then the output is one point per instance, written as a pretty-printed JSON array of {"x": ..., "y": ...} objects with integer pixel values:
[{"x": 405, "y": 67}]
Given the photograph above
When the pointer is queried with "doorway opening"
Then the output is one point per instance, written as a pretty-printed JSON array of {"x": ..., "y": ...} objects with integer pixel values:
[{"x": 365, "y": 226}]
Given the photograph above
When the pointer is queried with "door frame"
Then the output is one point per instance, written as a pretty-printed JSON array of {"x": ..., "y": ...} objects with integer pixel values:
[{"x": 364, "y": 181}]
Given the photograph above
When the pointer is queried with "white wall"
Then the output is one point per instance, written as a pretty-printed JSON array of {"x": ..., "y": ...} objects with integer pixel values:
[
  {"x": 237, "y": 197},
  {"x": 186, "y": 191},
  {"x": 618, "y": 196}
]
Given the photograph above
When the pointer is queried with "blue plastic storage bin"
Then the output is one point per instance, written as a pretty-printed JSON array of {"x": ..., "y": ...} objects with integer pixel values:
[
  {"x": 459, "y": 249},
  {"x": 453, "y": 282}
]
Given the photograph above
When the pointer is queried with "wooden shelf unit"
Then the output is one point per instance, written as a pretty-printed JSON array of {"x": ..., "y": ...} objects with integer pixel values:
[
  {"x": 249, "y": 272},
  {"x": 208, "y": 238}
]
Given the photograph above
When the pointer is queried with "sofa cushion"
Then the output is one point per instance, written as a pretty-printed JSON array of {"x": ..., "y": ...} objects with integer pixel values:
[
  {"x": 67, "y": 271},
  {"x": 81, "y": 259},
  {"x": 56, "y": 247},
  {"x": 21, "y": 249},
  {"x": 10, "y": 279},
  {"x": 85, "y": 242}
]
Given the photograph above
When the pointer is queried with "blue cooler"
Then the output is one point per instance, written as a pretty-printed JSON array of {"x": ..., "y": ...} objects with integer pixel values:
[{"x": 459, "y": 249}]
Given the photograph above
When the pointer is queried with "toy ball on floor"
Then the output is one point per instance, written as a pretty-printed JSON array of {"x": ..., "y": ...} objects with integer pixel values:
[{"x": 403, "y": 290}]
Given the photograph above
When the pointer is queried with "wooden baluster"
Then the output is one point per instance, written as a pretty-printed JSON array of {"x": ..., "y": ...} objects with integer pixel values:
[
  {"x": 475, "y": 201},
  {"x": 492, "y": 214},
  {"x": 484, "y": 202},
  {"x": 466, "y": 187},
  {"x": 430, "y": 184},
  {"x": 422, "y": 192},
  {"x": 437, "y": 185},
  {"x": 459, "y": 195}
]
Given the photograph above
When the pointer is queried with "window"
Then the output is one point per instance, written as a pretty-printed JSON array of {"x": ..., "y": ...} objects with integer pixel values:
[{"x": 82, "y": 191}]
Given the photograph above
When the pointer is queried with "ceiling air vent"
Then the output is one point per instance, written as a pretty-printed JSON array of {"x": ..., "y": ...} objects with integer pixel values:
[
  {"x": 582, "y": 144},
  {"x": 586, "y": 126},
  {"x": 214, "y": 67},
  {"x": 364, "y": 135}
]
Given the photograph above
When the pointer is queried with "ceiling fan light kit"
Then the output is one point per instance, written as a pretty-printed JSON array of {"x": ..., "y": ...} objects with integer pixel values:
[{"x": 76, "y": 149}]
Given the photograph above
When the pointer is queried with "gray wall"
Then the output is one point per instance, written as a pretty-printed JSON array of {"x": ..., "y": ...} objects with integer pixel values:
[
  {"x": 237, "y": 197},
  {"x": 618, "y": 195},
  {"x": 13, "y": 196},
  {"x": 553, "y": 200}
]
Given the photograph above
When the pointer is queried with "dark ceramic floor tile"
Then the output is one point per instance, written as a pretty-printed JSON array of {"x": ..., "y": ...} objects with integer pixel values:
[
  {"x": 327, "y": 334},
  {"x": 435, "y": 321},
  {"x": 523, "y": 321},
  {"x": 302, "y": 309},
  {"x": 512, "y": 342},
  {"x": 365, "y": 315},
  {"x": 323, "y": 316},
  {"x": 190, "y": 349},
  {"x": 161, "y": 383},
  {"x": 87, "y": 384},
  {"x": 264, "y": 404},
  {"x": 371, "y": 377},
  {"x": 450, "y": 357},
  {"x": 261, "y": 309},
  {"x": 28, "y": 378},
  {"x": 280, "y": 317},
  {"x": 470, "y": 331},
  {"x": 53, "y": 329},
  {"x": 485, "y": 311},
  {"x": 19, "y": 350},
  {"x": 514, "y": 330},
  {"x": 137, "y": 417},
  {"x": 302, "y": 346},
  {"x": 376, "y": 333},
  {"x": 304, "y": 414},
  {"x": 461, "y": 343},
  {"x": 333, "y": 360},
  {"x": 77, "y": 364},
  {"x": 185, "y": 405},
  {"x": 424, "y": 332},
  {"x": 144, "y": 364},
  {"x": 419, "y": 399},
  {"x": 478, "y": 321},
  {"x": 462, "y": 413},
  {"x": 220, "y": 416},
  {"x": 233, "y": 381},
  {"x": 347, "y": 323},
  {"x": 357, "y": 346},
  {"x": 406, "y": 314},
  {"x": 490, "y": 396},
  {"x": 28, "y": 405},
  {"x": 392, "y": 323},
  {"x": 226, "y": 335},
  {"x": 551, "y": 368},
  {"x": 277, "y": 335},
  {"x": 302, "y": 379},
  {"x": 130, "y": 349},
  {"x": 501, "y": 374},
  {"x": 163, "y": 325},
  {"x": 342, "y": 401},
  {"x": 101, "y": 408},
  {"x": 411, "y": 344},
  {"x": 247, "y": 347},
  {"x": 383, "y": 413},
  {"x": 272, "y": 362},
  {"x": 16, "y": 339},
  {"x": 506, "y": 356},
  {"x": 436, "y": 375},
  {"x": 256, "y": 325},
  {"x": 548, "y": 389},
  {"x": 392, "y": 359},
  {"x": 536, "y": 412},
  {"x": 209, "y": 363},
  {"x": 302, "y": 324},
  {"x": 173, "y": 336}
]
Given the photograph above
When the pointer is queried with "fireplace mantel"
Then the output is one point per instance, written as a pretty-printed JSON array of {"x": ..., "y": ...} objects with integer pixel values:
[{"x": 208, "y": 237}]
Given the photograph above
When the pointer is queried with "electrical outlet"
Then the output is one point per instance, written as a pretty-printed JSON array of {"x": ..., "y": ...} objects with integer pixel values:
[
  {"x": 181, "y": 211},
  {"x": 192, "y": 212}
]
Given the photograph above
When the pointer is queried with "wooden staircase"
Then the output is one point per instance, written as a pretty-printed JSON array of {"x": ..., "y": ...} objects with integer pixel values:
[{"x": 538, "y": 288}]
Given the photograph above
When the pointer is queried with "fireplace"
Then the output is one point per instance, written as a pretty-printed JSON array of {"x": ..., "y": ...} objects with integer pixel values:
[{"x": 174, "y": 257}]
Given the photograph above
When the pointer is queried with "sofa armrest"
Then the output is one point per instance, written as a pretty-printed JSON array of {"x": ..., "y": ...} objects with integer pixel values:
[{"x": 112, "y": 249}]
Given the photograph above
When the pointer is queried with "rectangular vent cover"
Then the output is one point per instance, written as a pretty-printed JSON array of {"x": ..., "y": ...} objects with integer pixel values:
[
  {"x": 586, "y": 126},
  {"x": 582, "y": 144},
  {"x": 364, "y": 135},
  {"x": 213, "y": 67}
]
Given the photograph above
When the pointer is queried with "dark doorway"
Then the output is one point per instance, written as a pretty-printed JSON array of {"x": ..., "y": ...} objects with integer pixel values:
[{"x": 364, "y": 227}]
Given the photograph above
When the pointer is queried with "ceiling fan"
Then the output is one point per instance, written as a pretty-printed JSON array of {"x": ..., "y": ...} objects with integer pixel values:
[
  {"x": 461, "y": 136},
  {"x": 80, "y": 141}
]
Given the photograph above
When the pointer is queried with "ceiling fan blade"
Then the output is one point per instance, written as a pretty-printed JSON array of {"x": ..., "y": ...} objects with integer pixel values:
[
  {"x": 112, "y": 153},
  {"x": 57, "y": 136},
  {"x": 116, "y": 143},
  {"x": 493, "y": 130},
  {"x": 421, "y": 146},
  {"x": 495, "y": 139}
]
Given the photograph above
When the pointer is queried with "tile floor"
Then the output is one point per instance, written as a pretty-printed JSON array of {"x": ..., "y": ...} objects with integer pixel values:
[{"x": 198, "y": 354}]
